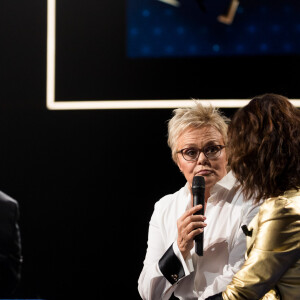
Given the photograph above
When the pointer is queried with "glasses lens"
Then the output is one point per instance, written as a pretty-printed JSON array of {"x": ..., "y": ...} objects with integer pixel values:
[
  {"x": 212, "y": 151},
  {"x": 190, "y": 153}
]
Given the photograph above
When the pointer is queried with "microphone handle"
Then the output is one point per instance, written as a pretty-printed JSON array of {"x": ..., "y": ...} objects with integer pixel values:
[{"x": 199, "y": 238}]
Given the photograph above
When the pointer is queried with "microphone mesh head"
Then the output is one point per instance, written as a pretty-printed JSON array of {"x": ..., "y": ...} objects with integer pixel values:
[{"x": 198, "y": 182}]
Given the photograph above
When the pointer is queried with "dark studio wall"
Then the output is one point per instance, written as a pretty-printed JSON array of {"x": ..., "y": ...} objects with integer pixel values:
[{"x": 87, "y": 180}]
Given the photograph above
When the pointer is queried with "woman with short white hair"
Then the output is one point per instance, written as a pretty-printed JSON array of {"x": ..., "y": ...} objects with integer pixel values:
[{"x": 197, "y": 137}]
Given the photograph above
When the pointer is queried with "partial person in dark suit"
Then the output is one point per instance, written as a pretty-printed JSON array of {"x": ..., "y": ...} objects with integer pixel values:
[{"x": 10, "y": 246}]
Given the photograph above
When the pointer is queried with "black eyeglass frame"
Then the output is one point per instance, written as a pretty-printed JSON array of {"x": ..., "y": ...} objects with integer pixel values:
[{"x": 215, "y": 155}]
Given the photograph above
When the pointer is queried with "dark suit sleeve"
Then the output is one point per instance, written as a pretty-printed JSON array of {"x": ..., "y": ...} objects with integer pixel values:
[{"x": 10, "y": 246}]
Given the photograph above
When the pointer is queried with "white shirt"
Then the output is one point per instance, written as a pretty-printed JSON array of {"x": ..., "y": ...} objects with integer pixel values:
[{"x": 224, "y": 243}]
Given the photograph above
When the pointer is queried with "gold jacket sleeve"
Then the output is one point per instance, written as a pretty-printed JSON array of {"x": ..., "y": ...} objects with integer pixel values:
[{"x": 273, "y": 253}]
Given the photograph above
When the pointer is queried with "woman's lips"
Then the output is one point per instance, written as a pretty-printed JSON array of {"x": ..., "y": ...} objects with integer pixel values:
[{"x": 204, "y": 172}]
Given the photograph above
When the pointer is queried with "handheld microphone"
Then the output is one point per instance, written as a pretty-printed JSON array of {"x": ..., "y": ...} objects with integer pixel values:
[{"x": 198, "y": 190}]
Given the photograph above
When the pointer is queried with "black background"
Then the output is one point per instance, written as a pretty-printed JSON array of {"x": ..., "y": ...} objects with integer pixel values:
[{"x": 86, "y": 181}]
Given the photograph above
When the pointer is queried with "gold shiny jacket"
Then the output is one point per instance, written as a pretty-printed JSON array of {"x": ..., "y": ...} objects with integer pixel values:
[{"x": 272, "y": 266}]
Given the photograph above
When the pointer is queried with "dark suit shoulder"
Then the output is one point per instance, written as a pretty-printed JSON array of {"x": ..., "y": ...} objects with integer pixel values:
[
  {"x": 10, "y": 246},
  {"x": 9, "y": 209},
  {"x": 4, "y": 198}
]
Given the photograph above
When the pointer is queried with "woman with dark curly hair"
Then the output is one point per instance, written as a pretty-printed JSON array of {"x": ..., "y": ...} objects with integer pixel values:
[{"x": 264, "y": 146}]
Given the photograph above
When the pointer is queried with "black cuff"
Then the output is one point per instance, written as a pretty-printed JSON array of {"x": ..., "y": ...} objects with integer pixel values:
[
  {"x": 215, "y": 297},
  {"x": 170, "y": 266}
]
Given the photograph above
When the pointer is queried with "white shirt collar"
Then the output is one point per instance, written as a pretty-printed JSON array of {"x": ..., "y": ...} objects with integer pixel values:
[
  {"x": 227, "y": 182},
  {"x": 222, "y": 186}
]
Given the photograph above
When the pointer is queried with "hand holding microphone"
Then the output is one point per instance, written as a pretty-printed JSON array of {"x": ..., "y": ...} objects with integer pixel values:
[{"x": 190, "y": 225}]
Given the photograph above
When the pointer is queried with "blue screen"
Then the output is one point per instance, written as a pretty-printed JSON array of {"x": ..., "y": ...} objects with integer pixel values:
[{"x": 192, "y": 28}]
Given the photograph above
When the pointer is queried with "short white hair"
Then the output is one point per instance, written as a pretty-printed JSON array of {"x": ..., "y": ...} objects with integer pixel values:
[{"x": 196, "y": 116}]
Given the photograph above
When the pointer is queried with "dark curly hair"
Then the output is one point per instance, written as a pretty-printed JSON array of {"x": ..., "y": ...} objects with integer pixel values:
[{"x": 264, "y": 146}]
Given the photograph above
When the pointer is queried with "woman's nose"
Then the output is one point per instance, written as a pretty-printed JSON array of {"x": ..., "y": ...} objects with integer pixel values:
[{"x": 202, "y": 159}]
